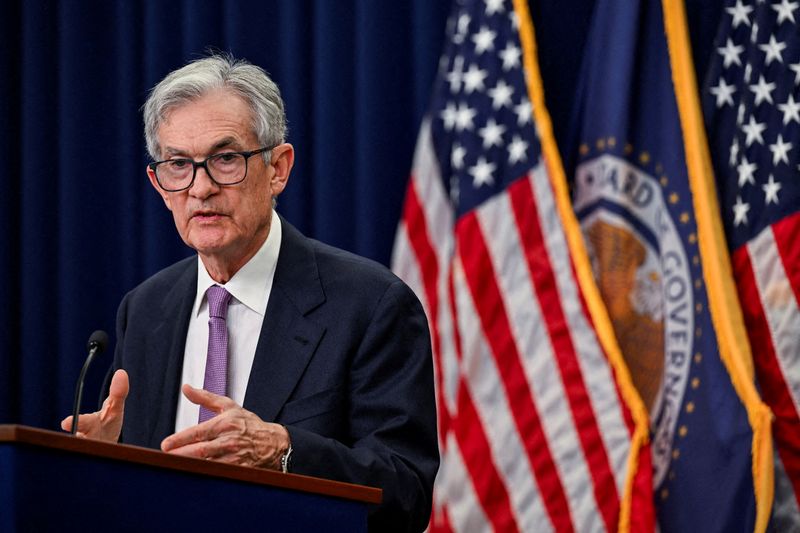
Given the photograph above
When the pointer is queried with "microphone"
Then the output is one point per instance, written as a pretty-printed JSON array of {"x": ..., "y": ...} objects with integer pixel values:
[{"x": 97, "y": 344}]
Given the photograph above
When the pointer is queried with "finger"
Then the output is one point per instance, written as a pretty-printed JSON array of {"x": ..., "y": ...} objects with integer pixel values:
[
  {"x": 86, "y": 422},
  {"x": 200, "y": 450},
  {"x": 209, "y": 400},
  {"x": 199, "y": 433}
]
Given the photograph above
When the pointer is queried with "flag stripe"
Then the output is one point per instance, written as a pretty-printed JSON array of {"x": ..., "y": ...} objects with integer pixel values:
[
  {"x": 426, "y": 258},
  {"x": 786, "y": 233},
  {"x": 461, "y": 504},
  {"x": 760, "y": 276},
  {"x": 528, "y": 326},
  {"x": 479, "y": 461},
  {"x": 767, "y": 368},
  {"x": 481, "y": 279},
  {"x": 613, "y": 417},
  {"x": 526, "y": 213},
  {"x": 778, "y": 299},
  {"x": 482, "y": 377}
]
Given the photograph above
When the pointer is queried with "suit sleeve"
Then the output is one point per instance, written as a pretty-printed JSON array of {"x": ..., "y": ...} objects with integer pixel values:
[{"x": 392, "y": 418}]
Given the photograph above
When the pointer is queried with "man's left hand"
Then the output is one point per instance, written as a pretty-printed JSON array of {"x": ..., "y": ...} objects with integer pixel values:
[{"x": 234, "y": 436}]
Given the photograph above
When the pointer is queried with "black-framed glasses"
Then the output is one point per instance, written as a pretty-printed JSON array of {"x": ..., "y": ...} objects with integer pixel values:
[{"x": 225, "y": 168}]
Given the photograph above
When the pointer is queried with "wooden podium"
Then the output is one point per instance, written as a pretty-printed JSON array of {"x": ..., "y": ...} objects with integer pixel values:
[{"x": 52, "y": 481}]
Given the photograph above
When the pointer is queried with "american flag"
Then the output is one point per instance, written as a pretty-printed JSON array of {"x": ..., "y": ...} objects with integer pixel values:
[
  {"x": 752, "y": 108},
  {"x": 538, "y": 430}
]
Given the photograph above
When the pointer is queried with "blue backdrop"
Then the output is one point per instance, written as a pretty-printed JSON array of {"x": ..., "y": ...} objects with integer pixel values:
[{"x": 81, "y": 224}]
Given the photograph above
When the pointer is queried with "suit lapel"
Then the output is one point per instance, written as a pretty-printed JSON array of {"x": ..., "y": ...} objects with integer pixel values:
[
  {"x": 165, "y": 348},
  {"x": 288, "y": 339}
]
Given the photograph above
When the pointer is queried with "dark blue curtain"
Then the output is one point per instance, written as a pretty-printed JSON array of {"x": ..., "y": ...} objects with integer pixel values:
[{"x": 81, "y": 224}]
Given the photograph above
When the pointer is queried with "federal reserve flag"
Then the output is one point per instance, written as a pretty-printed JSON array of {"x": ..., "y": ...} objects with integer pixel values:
[
  {"x": 752, "y": 107},
  {"x": 540, "y": 427},
  {"x": 645, "y": 198}
]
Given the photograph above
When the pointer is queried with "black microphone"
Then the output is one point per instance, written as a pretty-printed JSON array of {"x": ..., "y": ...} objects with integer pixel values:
[{"x": 97, "y": 344}]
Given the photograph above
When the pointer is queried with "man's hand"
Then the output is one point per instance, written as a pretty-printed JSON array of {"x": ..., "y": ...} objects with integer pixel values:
[
  {"x": 105, "y": 424},
  {"x": 234, "y": 436}
]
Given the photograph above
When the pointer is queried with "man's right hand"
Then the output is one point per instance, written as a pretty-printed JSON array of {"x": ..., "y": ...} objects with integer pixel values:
[{"x": 105, "y": 424}]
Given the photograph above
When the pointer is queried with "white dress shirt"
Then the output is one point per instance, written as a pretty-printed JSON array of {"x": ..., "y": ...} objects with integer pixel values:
[{"x": 250, "y": 288}]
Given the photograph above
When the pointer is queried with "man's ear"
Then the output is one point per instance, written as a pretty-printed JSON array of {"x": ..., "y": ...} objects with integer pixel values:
[
  {"x": 282, "y": 162},
  {"x": 154, "y": 182}
]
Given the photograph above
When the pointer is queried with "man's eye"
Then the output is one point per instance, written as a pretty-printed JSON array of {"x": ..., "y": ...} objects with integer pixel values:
[
  {"x": 177, "y": 164},
  {"x": 227, "y": 157}
]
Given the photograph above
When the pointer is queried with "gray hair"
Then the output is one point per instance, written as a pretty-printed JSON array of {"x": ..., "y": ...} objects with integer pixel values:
[{"x": 217, "y": 71}]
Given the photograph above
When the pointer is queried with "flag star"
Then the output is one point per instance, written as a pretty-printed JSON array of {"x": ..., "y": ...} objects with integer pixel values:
[
  {"x": 457, "y": 156},
  {"x": 730, "y": 53},
  {"x": 454, "y": 190},
  {"x": 740, "y": 114},
  {"x": 473, "y": 79},
  {"x": 796, "y": 69},
  {"x": 523, "y": 111},
  {"x": 790, "y": 110},
  {"x": 773, "y": 49},
  {"x": 753, "y": 131},
  {"x": 740, "y": 210},
  {"x": 780, "y": 151},
  {"x": 763, "y": 90},
  {"x": 501, "y": 95},
  {"x": 754, "y": 33},
  {"x": 512, "y": 16},
  {"x": 492, "y": 134},
  {"x": 484, "y": 40},
  {"x": 449, "y": 114},
  {"x": 494, "y": 6},
  {"x": 482, "y": 173},
  {"x": 734, "y": 152},
  {"x": 723, "y": 92},
  {"x": 740, "y": 13},
  {"x": 516, "y": 150},
  {"x": 456, "y": 76},
  {"x": 785, "y": 10},
  {"x": 746, "y": 170},
  {"x": 464, "y": 117},
  {"x": 510, "y": 56},
  {"x": 748, "y": 71},
  {"x": 771, "y": 189},
  {"x": 462, "y": 26}
]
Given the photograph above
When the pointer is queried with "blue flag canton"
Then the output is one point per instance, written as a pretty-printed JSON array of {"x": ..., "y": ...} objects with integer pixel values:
[
  {"x": 752, "y": 112},
  {"x": 481, "y": 116}
]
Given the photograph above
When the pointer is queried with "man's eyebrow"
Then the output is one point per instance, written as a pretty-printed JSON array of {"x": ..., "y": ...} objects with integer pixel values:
[
  {"x": 225, "y": 143},
  {"x": 169, "y": 151},
  {"x": 222, "y": 143}
]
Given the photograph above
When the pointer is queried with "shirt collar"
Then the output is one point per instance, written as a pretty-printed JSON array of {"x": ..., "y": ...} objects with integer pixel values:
[{"x": 251, "y": 283}]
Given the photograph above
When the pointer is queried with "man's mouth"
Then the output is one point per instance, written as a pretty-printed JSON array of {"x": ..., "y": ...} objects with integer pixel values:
[{"x": 206, "y": 215}]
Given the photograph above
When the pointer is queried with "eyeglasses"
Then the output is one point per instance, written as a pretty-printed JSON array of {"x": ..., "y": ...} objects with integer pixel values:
[{"x": 226, "y": 168}]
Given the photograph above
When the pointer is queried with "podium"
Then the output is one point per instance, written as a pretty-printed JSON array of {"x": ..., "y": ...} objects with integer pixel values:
[{"x": 51, "y": 481}]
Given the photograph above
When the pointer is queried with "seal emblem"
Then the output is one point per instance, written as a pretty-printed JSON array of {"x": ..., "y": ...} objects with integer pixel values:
[{"x": 644, "y": 278}]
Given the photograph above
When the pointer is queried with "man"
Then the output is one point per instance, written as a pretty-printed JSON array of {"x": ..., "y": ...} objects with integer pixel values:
[{"x": 325, "y": 365}]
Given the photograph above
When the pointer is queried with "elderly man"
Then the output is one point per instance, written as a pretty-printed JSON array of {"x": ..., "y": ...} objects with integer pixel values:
[{"x": 289, "y": 354}]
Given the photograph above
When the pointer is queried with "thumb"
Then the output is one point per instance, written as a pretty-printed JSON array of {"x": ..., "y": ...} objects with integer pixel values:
[
  {"x": 209, "y": 400},
  {"x": 118, "y": 390}
]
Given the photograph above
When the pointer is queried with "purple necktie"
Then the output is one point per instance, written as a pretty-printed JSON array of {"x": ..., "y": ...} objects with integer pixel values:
[{"x": 216, "y": 379}]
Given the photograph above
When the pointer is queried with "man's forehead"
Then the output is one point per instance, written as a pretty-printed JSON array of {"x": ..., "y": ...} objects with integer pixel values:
[{"x": 213, "y": 121}]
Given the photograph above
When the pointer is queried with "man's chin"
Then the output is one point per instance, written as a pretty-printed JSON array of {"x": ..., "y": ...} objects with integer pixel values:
[{"x": 208, "y": 242}]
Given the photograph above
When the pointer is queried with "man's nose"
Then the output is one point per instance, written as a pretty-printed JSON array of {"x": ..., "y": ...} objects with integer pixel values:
[{"x": 203, "y": 185}]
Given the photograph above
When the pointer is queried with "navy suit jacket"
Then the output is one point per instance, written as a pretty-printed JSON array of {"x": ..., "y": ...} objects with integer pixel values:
[{"x": 343, "y": 361}]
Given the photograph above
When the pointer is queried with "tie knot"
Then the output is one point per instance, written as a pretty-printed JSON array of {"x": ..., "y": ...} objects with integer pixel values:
[{"x": 218, "y": 299}]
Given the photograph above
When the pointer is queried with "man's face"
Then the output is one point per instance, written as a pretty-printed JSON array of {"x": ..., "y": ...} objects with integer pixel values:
[{"x": 227, "y": 224}]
